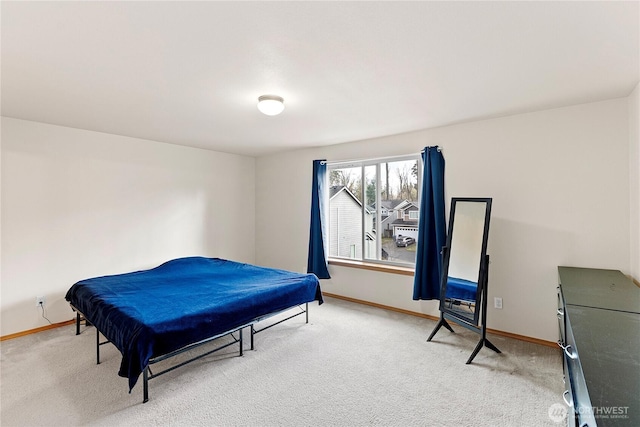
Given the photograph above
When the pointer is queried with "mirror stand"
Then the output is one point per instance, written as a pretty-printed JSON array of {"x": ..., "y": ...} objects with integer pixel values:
[
  {"x": 480, "y": 329},
  {"x": 465, "y": 269}
]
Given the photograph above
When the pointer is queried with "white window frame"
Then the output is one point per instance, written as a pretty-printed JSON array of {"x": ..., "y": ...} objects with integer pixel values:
[{"x": 362, "y": 164}]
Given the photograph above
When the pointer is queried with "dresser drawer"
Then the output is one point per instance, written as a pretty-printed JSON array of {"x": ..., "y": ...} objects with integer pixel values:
[
  {"x": 568, "y": 396},
  {"x": 561, "y": 317},
  {"x": 612, "y": 376},
  {"x": 580, "y": 411},
  {"x": 599, "y": 322}
]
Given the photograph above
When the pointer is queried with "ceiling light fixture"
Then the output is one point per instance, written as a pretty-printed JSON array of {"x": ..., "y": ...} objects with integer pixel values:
[{"x": 271, "y": 105}]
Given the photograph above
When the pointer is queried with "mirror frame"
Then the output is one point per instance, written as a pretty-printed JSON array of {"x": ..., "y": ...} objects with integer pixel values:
[{"x": 482, "y": 267}]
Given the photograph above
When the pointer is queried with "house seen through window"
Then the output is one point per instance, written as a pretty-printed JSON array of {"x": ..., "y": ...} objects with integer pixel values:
[{"x": 374, "y": 210}]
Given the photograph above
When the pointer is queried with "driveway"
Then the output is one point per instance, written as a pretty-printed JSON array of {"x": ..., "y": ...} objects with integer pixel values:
[{"x": 398, "y": 254}]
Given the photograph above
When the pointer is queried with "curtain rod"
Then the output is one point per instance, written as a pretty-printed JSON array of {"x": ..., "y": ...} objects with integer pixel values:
[
  {"x": 437, "y": 148},
  {"x": 346, "y": 162}
]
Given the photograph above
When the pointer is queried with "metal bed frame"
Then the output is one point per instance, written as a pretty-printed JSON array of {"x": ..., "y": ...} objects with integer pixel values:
[{"x": 147, "y": 374}]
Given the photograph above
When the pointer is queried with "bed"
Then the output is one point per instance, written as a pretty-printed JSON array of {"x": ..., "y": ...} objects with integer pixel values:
[
  {"x": 151, "y": 315},
  {"x": 461, "y": 289}
]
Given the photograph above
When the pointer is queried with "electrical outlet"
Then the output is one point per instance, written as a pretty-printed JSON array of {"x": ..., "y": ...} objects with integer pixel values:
[
  {"x": 497, "y": 302},
  {"x": 40, "y": 301}
]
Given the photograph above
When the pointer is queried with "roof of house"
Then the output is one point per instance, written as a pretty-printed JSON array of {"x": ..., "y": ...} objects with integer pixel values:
[
  {"x": 404, "y": 204},
  {"x": 402, "y": 222},
  {"x": 334, "y": 190},
  {"x": 390, "y": 204}
]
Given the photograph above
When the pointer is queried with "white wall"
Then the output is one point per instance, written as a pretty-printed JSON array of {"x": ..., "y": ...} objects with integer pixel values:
[
  {"x": 77, "y": 204},
  {"x": 634, "y": 180},
  {"x": 560, "y": 186}
]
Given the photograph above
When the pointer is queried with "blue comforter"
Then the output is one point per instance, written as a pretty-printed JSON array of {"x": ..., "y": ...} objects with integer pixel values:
[
  {"x": 149, "y": 313},
  {"x": 461, "y": 289}
]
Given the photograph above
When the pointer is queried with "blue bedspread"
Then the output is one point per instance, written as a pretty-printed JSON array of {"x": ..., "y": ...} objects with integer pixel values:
[
  {"x": 461, "y": 289},
  {"x": 149, "y": 313}
]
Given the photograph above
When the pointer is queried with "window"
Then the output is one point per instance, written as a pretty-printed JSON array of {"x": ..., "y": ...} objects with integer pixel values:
[{"x": 363, "y": 199}]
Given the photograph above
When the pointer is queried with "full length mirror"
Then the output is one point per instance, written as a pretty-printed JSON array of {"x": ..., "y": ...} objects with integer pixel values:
[
  {"x": 465, "y": 270},
  {"x": 463, "y": 259}
]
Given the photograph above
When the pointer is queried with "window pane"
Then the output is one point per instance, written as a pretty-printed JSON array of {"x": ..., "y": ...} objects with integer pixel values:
[
  {"x": 345, "y": 212},
  {"x": 399, "y": 225},
  {"x": 370, "y": 217}
]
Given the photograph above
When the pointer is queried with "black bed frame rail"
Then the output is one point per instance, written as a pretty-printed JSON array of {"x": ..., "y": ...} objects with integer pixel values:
[
  {"x": 254, "y": 331},
  {"x": 148, "y": 375}
]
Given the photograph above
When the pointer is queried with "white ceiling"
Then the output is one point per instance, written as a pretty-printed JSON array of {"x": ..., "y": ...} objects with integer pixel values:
[{"x": 190, "y": 73}]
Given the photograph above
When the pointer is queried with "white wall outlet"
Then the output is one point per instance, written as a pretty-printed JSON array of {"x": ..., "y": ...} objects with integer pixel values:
[
  {"x": 40, "y": 301},
  {"x": 497, "y": 302}
]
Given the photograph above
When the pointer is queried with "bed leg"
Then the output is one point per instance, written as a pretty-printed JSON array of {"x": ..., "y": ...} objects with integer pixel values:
[
  {"x": 240, "y": 339},
  {"x": 253, "y": 331},
  {"x": 306, "y": 310},
  {"x": 77, "y": 323},
  {"x": 97, "y": 346},
  {"x": 145, "y": 385}
]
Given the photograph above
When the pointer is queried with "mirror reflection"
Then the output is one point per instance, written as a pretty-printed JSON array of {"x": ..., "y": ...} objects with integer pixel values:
[{"x": 467, "y": 241}]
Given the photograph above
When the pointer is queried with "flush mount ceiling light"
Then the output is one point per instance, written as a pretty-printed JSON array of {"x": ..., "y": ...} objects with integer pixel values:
[{"x": 271, "y": 105}]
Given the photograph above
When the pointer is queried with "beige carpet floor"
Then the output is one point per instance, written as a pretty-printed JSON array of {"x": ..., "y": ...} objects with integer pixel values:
[{"x": 352, "y": 365}]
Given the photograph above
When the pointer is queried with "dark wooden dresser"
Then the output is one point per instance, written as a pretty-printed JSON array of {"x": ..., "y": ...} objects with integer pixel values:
[{"x": 599, "y": 320}]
